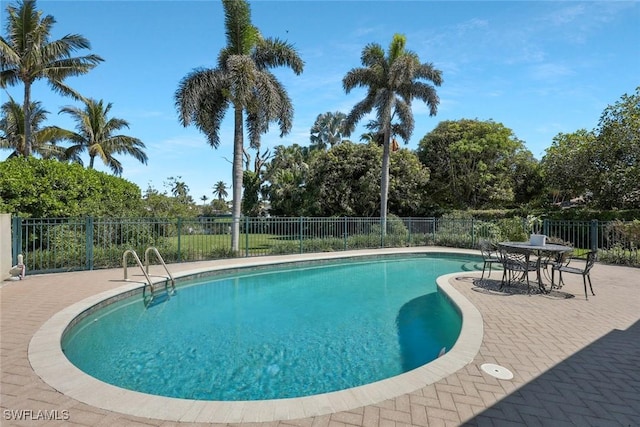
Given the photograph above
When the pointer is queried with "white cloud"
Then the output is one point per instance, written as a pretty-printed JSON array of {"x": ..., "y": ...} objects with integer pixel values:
[{"x": 550, "y": 71}]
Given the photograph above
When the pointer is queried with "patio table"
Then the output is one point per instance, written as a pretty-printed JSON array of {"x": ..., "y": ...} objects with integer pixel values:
[{"x": 527, "y": 248}]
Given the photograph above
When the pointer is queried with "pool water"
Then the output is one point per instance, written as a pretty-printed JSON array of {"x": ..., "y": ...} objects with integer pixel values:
[{"x": 274, "y": 333}]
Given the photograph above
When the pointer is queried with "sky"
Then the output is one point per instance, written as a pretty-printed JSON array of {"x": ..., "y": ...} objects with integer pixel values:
[{"x": 540, "y": 68}]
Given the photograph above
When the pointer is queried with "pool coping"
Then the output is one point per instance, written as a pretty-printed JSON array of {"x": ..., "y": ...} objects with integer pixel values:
[{"x": 49, "y": 362}]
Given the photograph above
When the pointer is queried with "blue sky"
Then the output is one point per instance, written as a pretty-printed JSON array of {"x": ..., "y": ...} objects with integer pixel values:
[{"x": 540, "y": 68}]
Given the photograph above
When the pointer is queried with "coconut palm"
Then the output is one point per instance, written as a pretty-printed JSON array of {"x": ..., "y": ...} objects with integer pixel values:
[
  {"x": 43, "y": 139},
  {"x": 220, "y": 190},
  {"x": 27, "y": 55},
  {"x": 179, "y": 189},
  {"x": 328, "y": 130},
  {"x": 241, "y": 80},
  {"x": 392, "y": 82},
  {"x": 95, "y": 133}
]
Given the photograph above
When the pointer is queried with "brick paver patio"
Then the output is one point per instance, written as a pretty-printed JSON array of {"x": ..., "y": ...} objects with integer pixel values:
[{"x": 575, "y": 362}]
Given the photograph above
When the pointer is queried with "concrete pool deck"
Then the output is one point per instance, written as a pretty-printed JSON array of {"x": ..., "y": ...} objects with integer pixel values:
[{"x": 575, "y": 362}]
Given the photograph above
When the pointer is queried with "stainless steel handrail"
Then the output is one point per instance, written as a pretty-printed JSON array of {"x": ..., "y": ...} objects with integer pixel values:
[
  {"x": 146, "y": 263},
  {"x": 137, "y": 259}
]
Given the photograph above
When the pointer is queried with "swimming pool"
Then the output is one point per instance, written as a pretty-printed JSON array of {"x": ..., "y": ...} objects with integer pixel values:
[
  {"x": 55, "y": 369},
  {"x": 281, "y": 332}
]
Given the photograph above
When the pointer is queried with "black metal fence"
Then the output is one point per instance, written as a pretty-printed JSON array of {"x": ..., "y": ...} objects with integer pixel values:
[{"x": 66, "y": 244}]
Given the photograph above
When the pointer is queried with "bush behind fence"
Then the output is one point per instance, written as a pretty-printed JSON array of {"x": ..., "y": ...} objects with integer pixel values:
[{"x": 57, "y": 244}]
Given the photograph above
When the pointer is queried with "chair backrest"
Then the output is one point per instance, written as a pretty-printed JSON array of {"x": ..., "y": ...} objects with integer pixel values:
[
  {"x": 513, "y": 260},
  {"x": 592, "y": 256},
  {"x": 487, "y": 249},
  {"x": 560, "y": 259}
]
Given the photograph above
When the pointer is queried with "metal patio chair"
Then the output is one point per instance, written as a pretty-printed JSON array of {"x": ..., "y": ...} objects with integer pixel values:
[
  {"x": 584, "y": 271},
  {"x": 551, "y": 260},
  {"x": 516, "y": 267},
  {"x": 490, "y": 256}
]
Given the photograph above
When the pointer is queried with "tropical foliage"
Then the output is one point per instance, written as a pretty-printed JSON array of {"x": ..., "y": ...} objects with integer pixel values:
[
  {"x": 44, "y": 138},
  {"x": 45, "y": 188},
  {"x": 220, "y": 190},
  {"x": 617, "y": 154},
  {"x": 95, "y": 134},
  {"x": 392, "y": 80},
  {"x": 242, "y": 80},
  {"x": 328, "y": 130},
  {"x": 172, "y": 204},
  {"x": 27, "y": 54},
  {"x": 567, "y": 166},
  {"x": 476, "y": 164},
  {"x": 342, "y": 181},
  {"x": 179, "y": 189},
  {"x": 602, "y": 166},
  {"x": 286, "y": 176}
]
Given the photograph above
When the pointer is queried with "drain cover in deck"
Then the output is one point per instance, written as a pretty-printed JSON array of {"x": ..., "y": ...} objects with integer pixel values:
[{"x": 497, "y": 371}]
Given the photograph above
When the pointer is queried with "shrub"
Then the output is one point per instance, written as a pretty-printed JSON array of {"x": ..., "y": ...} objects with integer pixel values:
[{"x": 42, "y": 188}]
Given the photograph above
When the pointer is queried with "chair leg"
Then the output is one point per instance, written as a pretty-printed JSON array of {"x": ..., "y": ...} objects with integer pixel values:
[
  {"x": 584, "y": 280},
  {"x": 590, "y": 287},
  {"x": 484, "y": 266}
]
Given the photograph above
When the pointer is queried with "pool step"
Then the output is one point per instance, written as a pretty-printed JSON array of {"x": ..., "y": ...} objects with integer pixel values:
[
  {"x": 472, "y": 266},
  {"x": 161, "y": 292},
  {"x": 477, "y": 266}
]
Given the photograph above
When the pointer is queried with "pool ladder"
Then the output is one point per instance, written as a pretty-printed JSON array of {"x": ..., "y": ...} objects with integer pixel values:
[{"x": 150, "y": 295}]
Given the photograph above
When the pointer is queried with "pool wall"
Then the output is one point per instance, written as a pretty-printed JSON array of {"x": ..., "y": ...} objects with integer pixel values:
[{"x": 50, "y": 363}]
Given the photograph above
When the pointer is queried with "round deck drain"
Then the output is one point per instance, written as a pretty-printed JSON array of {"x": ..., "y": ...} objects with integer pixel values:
[{"x": 497, "y": 371}]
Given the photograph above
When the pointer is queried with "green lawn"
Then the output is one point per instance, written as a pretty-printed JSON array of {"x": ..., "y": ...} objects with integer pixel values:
[{"x": 255, "y": 242}]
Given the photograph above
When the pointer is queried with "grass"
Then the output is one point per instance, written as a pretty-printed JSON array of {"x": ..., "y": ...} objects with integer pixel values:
[{"x": 256, "y": 243}]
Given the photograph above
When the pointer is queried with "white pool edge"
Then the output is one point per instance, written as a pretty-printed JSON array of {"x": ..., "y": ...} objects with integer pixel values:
[{"x": 50, "y": 363}]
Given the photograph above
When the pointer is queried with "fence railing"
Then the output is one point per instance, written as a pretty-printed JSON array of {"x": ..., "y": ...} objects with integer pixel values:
[{"x": 66, "y": 244}]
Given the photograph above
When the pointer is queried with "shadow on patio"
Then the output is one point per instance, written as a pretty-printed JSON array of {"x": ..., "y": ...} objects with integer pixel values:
[{"x": 597, "y": 386}]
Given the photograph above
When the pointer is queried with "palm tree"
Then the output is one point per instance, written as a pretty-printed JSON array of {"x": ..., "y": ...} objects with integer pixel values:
[
  {"x": 179, "y": 189},
  {"x": 376, "y": 135},
  {"x": 44, "y": 139},
  {"x": 27, "y": 55},
  {"x": 328, "y": 130},
  {"x": 95, "y": 133},
  {"x": 220, "y": 190},
  {"x": 392, "y": 81},
  {"x": 204, "y": 199},
  {"x": 241, "y": 80}
]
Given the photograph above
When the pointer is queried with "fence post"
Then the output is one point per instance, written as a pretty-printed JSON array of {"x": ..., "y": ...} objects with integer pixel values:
[
  {"x": 434, "y": 224},
  {"x": 545, "y": 227},
  {"x": 246, "y": 237},
  {"x": 88, "y": 231},
  {"x": 17, "y": 239},
  {"x": 594, "y": 234},
  {"x": 179, "y": 230},
  {"x": 345, "y": 234},
  {"x": 473, "y": 233},
  {"x": 300, "y": 226},
  {"x": 409, "y": 227}
]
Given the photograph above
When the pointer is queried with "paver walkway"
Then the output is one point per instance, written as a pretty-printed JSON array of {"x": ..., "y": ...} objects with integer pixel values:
[{"x": 575, "y": 362}]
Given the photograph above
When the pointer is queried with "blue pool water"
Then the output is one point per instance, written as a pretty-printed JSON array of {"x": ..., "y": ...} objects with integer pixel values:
[{"x": 274, "y": 333}]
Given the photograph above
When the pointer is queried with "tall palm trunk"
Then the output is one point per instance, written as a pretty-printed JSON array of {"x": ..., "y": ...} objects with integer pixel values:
[
  {"x": 238, "y": 145},
  {"x": 384, "y": 180},
  {"x": 27, "y": 120}
]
